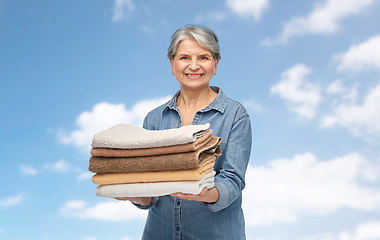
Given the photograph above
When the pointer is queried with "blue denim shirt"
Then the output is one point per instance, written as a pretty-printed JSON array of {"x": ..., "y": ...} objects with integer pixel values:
[{"x": 174, "y": 218}]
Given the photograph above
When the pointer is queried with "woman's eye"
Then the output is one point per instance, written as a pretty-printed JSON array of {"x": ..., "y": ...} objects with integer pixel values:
[
  {"x": 204, "y": 58},
  {"x": 184, "y": 58}
]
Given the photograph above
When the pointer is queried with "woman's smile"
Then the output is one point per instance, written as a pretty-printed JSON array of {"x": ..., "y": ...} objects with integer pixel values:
[{"x": 193, "y": 76}]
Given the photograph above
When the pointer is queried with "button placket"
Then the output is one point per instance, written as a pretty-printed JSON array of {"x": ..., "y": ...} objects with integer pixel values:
[{"x": 177, "y": 217}]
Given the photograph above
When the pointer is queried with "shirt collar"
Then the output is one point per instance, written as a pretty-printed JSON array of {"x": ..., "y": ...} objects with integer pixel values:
[{"x": 218, "y": 104}]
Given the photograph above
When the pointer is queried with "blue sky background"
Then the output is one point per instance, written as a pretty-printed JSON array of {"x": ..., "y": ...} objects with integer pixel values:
[{"x": 307, "y": 72}]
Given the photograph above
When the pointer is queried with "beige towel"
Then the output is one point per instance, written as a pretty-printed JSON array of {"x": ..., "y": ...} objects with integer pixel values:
[
  {"x": 168, "y": 162},
  {"x": 144, "y": 177},
  {"x": 193, "y": 146},
  {"x": 126, "y": 136}
]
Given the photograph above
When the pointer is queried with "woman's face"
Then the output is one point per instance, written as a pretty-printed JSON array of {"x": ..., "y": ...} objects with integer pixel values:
[{"x": 193, "y": 65}]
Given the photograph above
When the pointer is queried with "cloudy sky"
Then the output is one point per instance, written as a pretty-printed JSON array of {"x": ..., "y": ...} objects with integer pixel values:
[{"x": 308, "y": 73}]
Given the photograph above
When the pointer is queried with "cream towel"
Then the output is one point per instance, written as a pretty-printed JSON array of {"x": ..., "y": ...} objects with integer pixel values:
[
  {"x": 126, "y": 136},
  {"x": 193, "y": 146},
  {"x": 156, "y": 189},
  {"x": 144, "y": 177}
]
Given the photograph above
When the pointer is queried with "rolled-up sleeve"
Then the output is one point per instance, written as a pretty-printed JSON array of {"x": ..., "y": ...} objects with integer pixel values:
[
  {"x": 230, "y": 181},
  {"x": 152, "y": 204}
]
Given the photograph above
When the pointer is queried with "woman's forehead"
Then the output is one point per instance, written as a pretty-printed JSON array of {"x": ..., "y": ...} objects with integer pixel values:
[{"x": 191, "y": 46}]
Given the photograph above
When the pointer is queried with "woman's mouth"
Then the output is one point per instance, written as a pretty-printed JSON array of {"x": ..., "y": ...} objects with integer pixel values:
[{"x": 193, "y": 75}]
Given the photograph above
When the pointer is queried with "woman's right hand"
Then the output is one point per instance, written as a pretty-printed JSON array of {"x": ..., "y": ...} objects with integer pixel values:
[{"x": 142, "y": 201}]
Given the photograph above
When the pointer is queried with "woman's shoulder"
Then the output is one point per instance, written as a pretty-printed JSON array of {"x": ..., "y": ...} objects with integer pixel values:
[
  {"x": 235, "y": 104},
  {"x": 230, "y": 105},
  {"x": 236, "y": 108},
  {"x": 224, "y": 102}
]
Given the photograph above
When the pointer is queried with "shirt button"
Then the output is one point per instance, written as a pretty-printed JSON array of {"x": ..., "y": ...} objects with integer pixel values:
[
  {"x": 177, "y": 229},
  {"x": 178, "y": 202}
]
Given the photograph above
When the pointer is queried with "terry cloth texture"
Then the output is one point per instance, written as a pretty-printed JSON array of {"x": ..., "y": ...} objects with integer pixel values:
[
  {"x": 156, "y": 189},
  {"x": 126, "y": 136},
  {"x": 144, "y": 177},
  {"x": 193, "y": 146},
  {"x": 168, "y": 162}
]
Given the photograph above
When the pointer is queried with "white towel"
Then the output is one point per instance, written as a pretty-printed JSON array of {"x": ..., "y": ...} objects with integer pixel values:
[
  {"x": 156, "y": 189},
  {"x": 124, "y": 136}
]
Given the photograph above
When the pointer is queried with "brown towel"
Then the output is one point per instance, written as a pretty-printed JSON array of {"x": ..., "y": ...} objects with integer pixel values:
[
  {"x": 166, "y": 176},
  {"x": 168, "y": 162},
  {"x": 198, "y": 143}
]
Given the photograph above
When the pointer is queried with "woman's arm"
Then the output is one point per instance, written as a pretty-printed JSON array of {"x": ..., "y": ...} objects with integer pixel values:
[{"x": 230, "y": 180}]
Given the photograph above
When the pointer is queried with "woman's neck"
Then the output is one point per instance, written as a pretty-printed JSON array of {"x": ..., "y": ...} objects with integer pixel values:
[{"x": 197, "y": 100}]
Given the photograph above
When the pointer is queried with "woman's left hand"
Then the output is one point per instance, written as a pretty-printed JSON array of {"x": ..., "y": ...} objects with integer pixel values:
[{"x": 206, "y": 195}]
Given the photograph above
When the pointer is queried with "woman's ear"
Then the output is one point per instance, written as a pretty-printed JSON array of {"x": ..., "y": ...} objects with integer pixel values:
[
  {"x": 172, "y": 65},
  {"x": 216, "y": 66}
]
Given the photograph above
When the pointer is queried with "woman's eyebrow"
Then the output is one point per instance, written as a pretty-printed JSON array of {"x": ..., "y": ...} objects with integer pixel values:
[
  {"x": 183, "y": 54},
  {"x": 205, "y": 54}
]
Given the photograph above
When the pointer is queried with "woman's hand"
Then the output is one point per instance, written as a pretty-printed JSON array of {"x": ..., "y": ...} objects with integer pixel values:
[
  {"x": 207, "y": 195},
  {"x": 142, "y": 201}
]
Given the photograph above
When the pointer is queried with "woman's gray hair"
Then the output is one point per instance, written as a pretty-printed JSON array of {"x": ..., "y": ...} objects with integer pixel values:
[{"x": 204, "y": 36}]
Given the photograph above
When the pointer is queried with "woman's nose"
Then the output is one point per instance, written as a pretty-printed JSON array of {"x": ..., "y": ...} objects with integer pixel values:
[{"x": 194, "y": 65}]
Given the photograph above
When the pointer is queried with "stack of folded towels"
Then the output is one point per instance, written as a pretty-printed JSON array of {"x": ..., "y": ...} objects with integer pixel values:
[{"x": 130, "y": 161}]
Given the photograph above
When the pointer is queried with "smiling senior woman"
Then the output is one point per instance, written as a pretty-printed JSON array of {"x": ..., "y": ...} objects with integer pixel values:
[{"x": 215, "y": 213}]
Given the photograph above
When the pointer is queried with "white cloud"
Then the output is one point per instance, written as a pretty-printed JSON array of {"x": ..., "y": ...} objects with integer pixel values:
[
  {"x": 126, "y": 238},
  {"x": 120, "y": 7},
  {"x": 27, "y": 170},
  {"x": 282, "y": 190},
  {"x": 260, "y": 238},
  {"x": 105, "y": 115},
  {"x": 11, "y": 201},
  {"x": 361, "y": 56},
  {"x": 252, "y": 104},
  {"x": 302, "y": 96},
  {"x": 324, "y": 19},
  {"x": 109, "y": 211},
  {"x": 59, "y": 166},
  {"x": 148, "y": 30},
  {"x": 360, "y": 119},
  {"x": 85, "y": 176},
  {"x": 336, "y": 87},
  {"x": 248, "y": 8},
  {"x": 370, "y": 230},
  {"x": 364, "y": 231}
]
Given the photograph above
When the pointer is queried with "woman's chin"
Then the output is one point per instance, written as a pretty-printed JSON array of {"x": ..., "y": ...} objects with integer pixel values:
[{"x": 194, "y": 86}]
